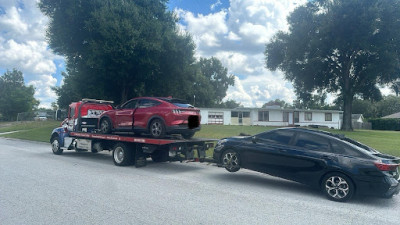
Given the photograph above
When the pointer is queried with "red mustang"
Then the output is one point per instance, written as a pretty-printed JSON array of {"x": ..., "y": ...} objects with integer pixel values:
[{"x": 155, "y": 116}]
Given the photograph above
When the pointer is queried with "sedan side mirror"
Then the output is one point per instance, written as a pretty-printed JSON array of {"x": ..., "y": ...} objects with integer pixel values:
[{"x": 254, "y": 139}]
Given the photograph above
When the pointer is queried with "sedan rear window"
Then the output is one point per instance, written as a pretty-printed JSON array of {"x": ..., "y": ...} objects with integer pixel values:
[
  {"x": 313, "y": 142},
  {"x": 178, "y": 102},
  {"x": 347, "y": 149}
]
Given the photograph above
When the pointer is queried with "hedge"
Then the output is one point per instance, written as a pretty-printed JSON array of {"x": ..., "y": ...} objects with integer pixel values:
[{"x": 385, "y": 124}]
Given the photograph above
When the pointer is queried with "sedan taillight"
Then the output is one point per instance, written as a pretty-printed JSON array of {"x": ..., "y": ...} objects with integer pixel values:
[{"x": 386, "y": 167}]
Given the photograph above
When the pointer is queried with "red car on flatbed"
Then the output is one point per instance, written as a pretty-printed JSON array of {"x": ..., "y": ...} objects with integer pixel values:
[{"x": 155, "y": 116}]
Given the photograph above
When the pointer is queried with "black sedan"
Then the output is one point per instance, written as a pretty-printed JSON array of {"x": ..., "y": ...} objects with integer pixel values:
[{"x": 339, "y": 166}]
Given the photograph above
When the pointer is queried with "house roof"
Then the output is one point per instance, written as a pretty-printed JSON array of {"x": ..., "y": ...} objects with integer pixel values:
[
  {"x": 356, "y": 116},
  {"x": 353, "y": 116},
  {"x": 395, "y": 115}
]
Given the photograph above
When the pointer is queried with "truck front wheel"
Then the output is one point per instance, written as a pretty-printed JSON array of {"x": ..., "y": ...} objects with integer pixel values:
[
  {"x": 55, "y": 145},
  {"x": 122, "y": 155}
]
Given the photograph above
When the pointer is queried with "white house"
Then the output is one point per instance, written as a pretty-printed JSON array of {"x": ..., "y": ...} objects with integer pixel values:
[{"x": 271, "y": 116}]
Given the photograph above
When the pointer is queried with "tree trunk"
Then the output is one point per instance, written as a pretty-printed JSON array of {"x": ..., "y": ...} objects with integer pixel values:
[
  {"x": 124, "y": 94},
  {"x": 348, "y": 104}
]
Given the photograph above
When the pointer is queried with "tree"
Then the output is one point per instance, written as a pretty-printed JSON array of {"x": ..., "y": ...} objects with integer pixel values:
[
  {"x": 339, "y": 46},
  {"x": 366, "y": 107},
  {"x": 15, "y": 97},
  {"x": 279, "y": 102},
  {"x": 213, "y": 71},
  {"x": 117, "y": 50},
  {"x": 389, "y": 105},
  {"x": 229, "y": 104},
  {"x": 396, "y": 87}
]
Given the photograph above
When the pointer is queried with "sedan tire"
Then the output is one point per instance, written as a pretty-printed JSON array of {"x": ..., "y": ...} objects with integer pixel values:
[
  {"x": 231, "y": 160},
  {"x": 337, "y": 187}
]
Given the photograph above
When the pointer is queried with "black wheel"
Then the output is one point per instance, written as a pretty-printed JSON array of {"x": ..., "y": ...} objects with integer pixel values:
[
  {"x": 105, "y": 126},
  {"x": 55, "y": 145},
  {"x": 157, "y": 128},
  {"x": 122, "y": 155},
  {"x": 188, "y": 135},
  {"x": 159, "y": 156},
  {"x": 231, "y": 160},
  {"x": 337, "y": 187}
]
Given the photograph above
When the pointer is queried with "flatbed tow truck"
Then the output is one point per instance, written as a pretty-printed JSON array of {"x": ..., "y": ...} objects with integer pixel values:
[{"x": 78, "y": 132}]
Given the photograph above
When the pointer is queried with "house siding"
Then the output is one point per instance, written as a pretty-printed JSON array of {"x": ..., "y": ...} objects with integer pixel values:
[{"x": 275, "y": 117}]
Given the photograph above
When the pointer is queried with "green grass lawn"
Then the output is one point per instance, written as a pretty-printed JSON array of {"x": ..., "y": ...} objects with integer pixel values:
[
  {"x": 29, "y": 130},
  {"x": 384, "y": 141}
]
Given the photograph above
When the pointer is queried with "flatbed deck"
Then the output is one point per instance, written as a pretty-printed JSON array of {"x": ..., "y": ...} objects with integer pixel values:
[{"x": 133, "y": 139}]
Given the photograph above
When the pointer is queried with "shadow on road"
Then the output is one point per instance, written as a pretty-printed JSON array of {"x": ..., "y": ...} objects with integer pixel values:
[
  {"x": 264, "y": 180},
  {"x": 105, "y": 158}
]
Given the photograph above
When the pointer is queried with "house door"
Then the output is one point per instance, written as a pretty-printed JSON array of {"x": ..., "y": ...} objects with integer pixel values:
[
  {"x": 296, "y": 117},
  {"x": 240, "y": 118},
  {"x": 290, "y": 117}
]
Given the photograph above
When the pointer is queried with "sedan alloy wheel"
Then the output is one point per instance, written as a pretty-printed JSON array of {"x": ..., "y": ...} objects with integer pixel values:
[
  {"x": 338, "y": 187},
  {"x": 230, "y": 160}
]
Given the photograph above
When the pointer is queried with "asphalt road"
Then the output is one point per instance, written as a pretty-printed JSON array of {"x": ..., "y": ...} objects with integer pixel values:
[{"x": 37, "y": 187}]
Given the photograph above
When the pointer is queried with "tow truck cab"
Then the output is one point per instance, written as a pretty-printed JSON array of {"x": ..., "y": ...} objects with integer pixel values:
[{"x": 83, "y": 115}]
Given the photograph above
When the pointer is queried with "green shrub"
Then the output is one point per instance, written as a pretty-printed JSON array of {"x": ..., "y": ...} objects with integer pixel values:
[{"x": 385, "y": 124}]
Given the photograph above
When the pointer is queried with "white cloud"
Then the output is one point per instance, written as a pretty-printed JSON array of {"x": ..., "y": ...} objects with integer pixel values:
[
  {"x": 237, "y": 36},
  {"x": 386, "y": 90},
  {"x": 232, "y": 36},
  {"x": 215, "y": 5},
  {"x": 23, "y": 46},
  {"x": 12, "y": 21},
  {"x": 206, "y": 29},
  {"x": 254, "y": 91}
]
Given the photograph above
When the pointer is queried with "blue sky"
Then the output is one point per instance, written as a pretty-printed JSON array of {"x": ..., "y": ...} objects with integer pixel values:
[
  {"x": 199, "y": 6},
  {"x": 234, "y": 31}
]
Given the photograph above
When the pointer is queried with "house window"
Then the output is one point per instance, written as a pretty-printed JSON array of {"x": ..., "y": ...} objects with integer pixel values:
[
  {"x": 263, "y": 116},
  {"x": 240, "y": 114},
  {"x": 308, "y": 116},
  {"x": 285, "y": 116},
  {"x": 328, "y": 116}
]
